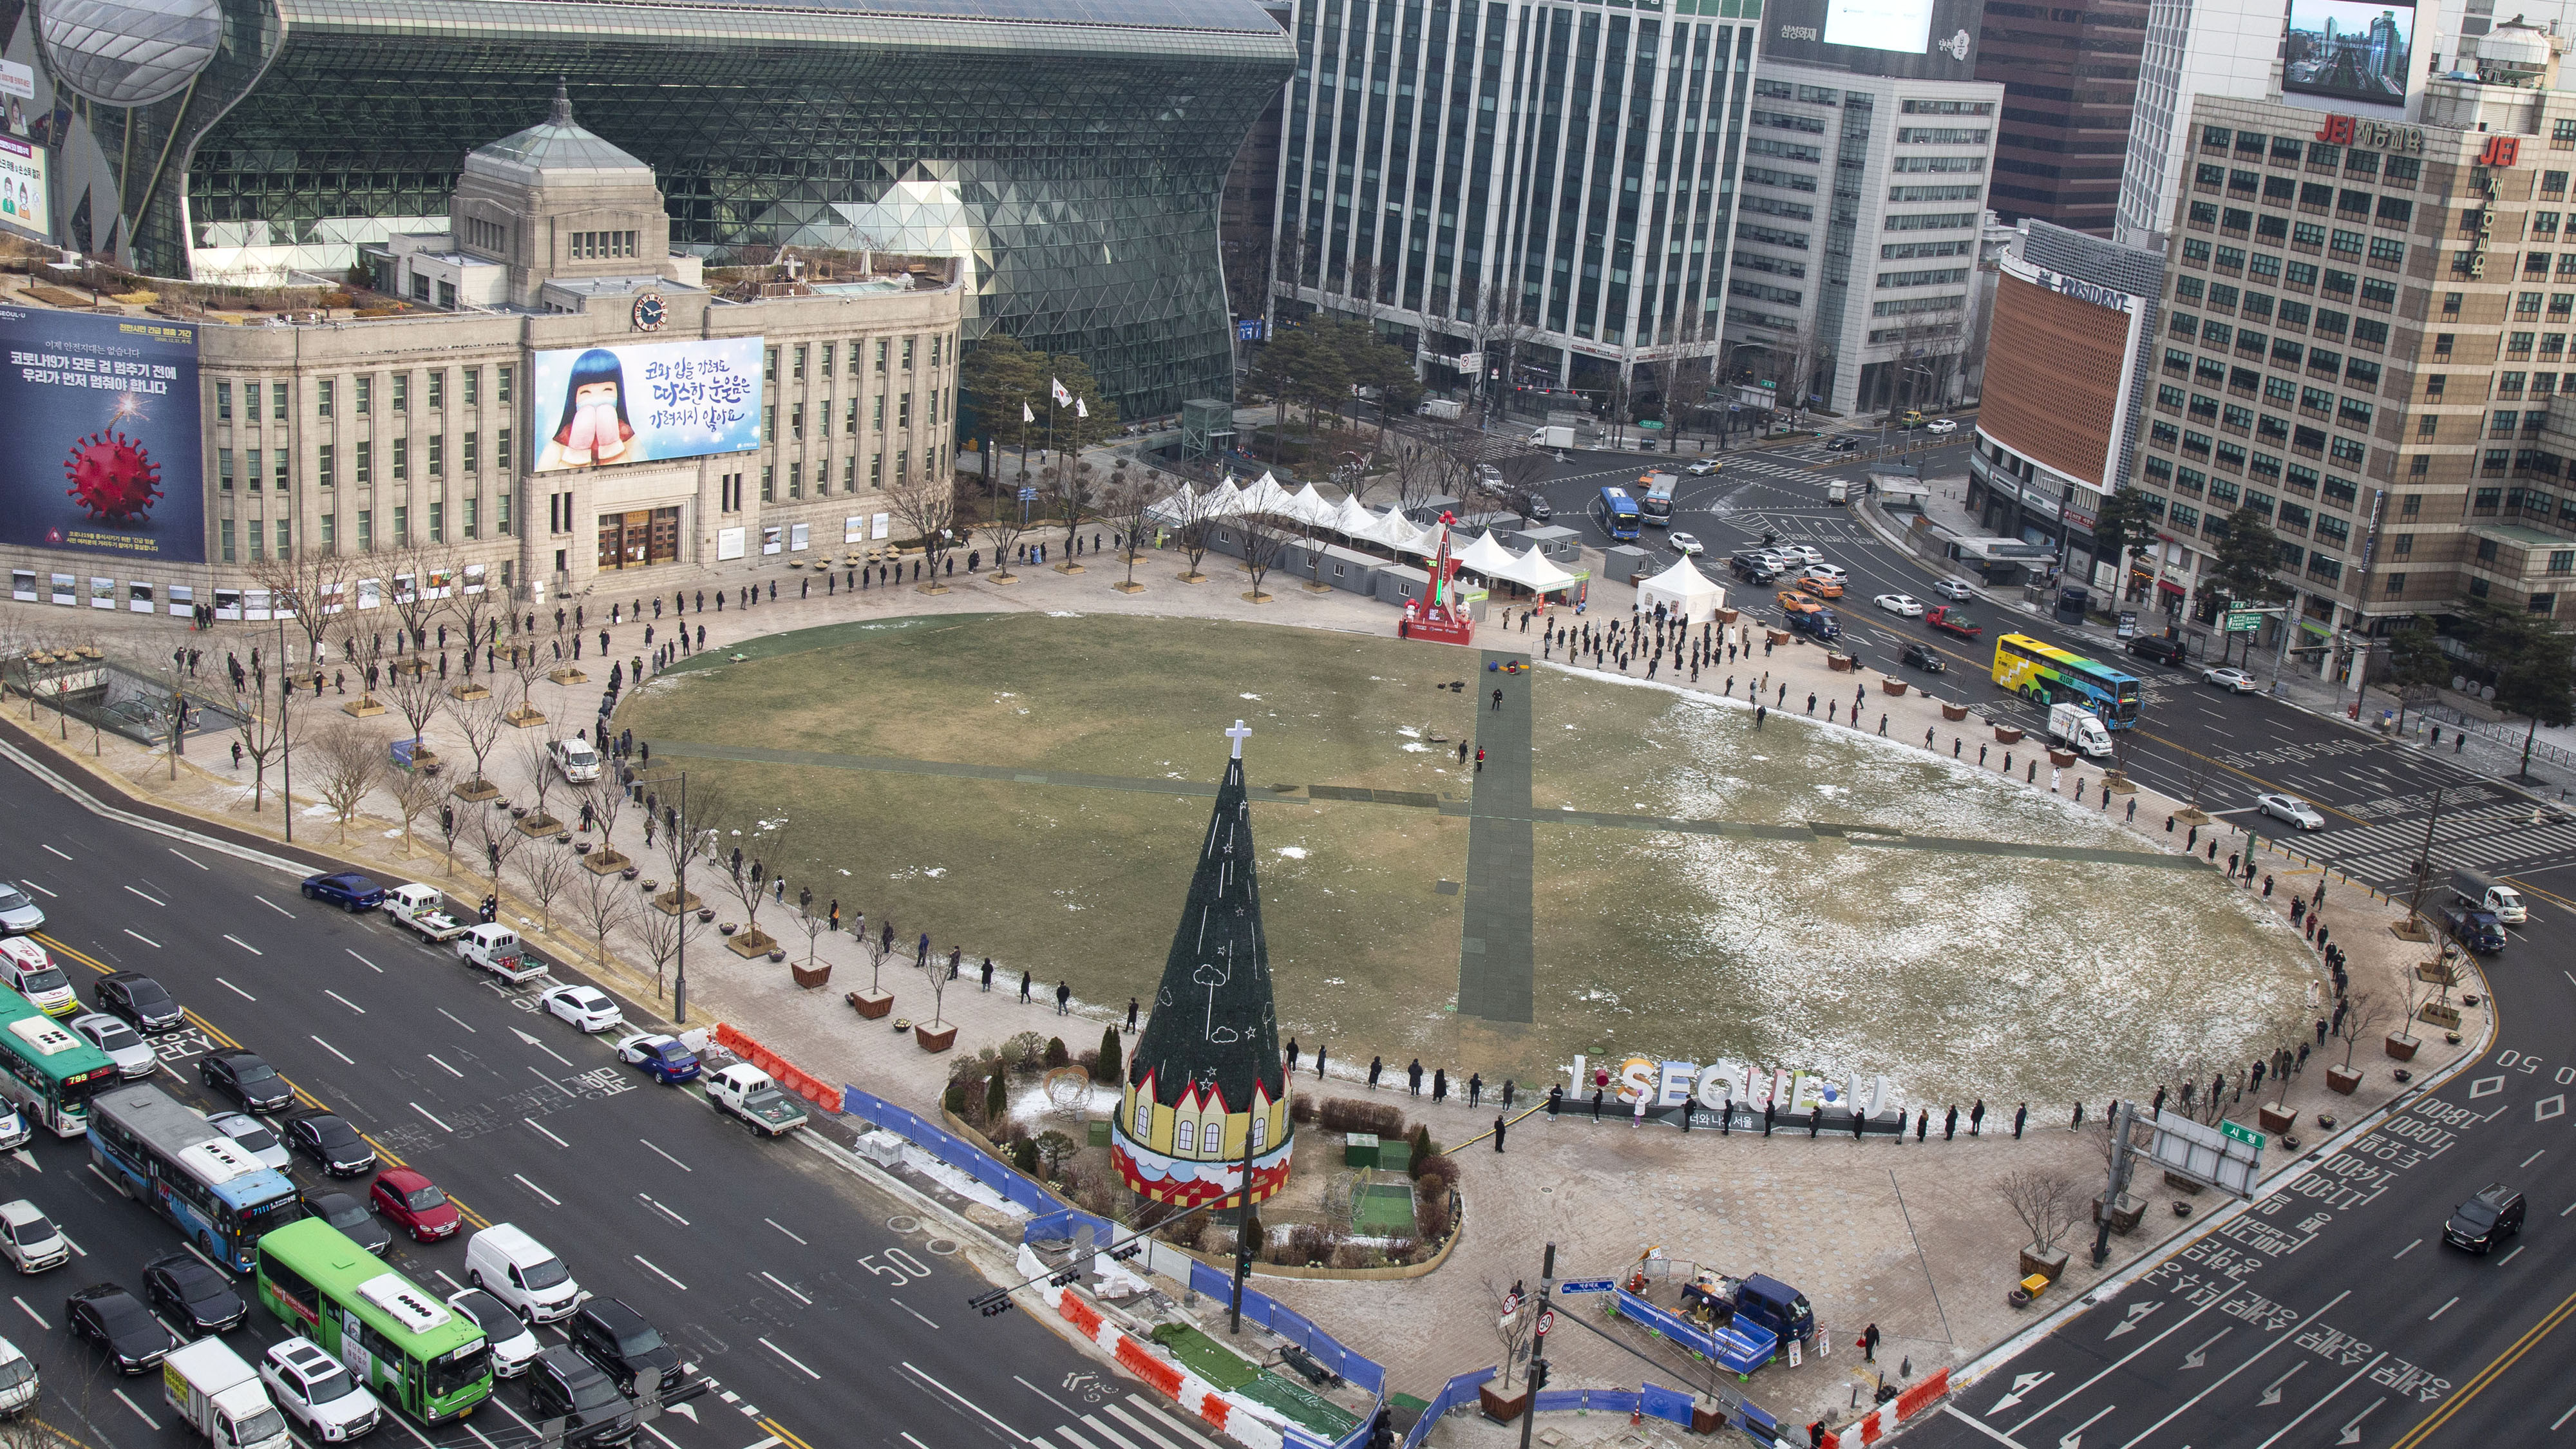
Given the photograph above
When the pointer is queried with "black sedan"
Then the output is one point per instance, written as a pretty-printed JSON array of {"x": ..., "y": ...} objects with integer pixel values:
[
  {"x": 334, "y": 1145},
  {"x": 1540, "y": 510},
  {"x": 196, "y": 1296},
  {"x": 124, "y": 1330},
  {"x": 352, "y": 1218},
  {"x": 246, "y": 1078},
  {"x": 629, "y": 1350},
  {"x": 139, "y": 1001},
  {"x": 1925, "y": 658},
  {"x": 348, "y": 890}
]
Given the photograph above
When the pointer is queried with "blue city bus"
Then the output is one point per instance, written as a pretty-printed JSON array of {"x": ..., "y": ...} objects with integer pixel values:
[
  {"x": 165, "y": 1156},
  {"x": 1616, "y": 512},
  {"x": 2045, "y": 674}
]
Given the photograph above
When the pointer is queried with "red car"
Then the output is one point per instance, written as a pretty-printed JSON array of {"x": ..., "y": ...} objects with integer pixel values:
[
  {"x": 1954, "y": 621},
  {"x": 414, "y": 1203}
]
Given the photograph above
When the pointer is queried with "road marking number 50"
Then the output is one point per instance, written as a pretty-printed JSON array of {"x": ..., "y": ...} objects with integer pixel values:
[{"x": 900, "y": 1265}]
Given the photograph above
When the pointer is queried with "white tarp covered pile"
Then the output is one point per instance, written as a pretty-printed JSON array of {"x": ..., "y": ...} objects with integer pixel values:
[{"x": 1683, "y": 590}]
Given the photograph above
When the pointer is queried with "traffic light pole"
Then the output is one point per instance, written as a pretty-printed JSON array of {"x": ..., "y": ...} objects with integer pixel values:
[
  {"x": 1537, "y": 1375},
  {"x": 999, "y": 1299}
]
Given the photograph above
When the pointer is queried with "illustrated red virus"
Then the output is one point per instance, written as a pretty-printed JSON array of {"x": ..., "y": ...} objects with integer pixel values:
[{"x": 113, "y": 477}]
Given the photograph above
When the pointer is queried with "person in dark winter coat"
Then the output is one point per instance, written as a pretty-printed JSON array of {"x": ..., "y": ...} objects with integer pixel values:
[
  {"x": 1977, "y": 1119},
  {"x": 1922, "y": 1122},
  {"x": 1499, "y": 1124},
  {"x": 1376, "y": 1065},
  {"x": 1439, "y": 1084},
  {"x": 1413, "y": 1078},
  {"x": 1950, "y": 1126},
  {"x": 2021, "y": 1114}
]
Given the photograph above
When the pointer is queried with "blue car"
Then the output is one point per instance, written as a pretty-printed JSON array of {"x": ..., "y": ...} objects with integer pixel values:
[
  {"x": 666, "y": 1059},
  {"x": 349, "y": 891}
]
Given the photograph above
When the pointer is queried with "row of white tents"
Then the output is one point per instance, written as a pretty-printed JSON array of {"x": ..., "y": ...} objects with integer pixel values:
[{"x": 1683, "y": 589}]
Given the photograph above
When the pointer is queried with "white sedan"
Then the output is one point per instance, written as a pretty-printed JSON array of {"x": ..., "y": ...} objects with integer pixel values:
[
  {"x": 2292, "y": 809},
  {"x": 1905, "y": 604},
  {"x": 587, "y": 1008},
  {"x": 1941, "y": 425},
  {"x": 2234, "y": 681},
  {"x": 1704, "y": 467},
  {"x": 1805, "y": 552},
  {"x": 1684, "y": 543},
  {"x": 133, "y": 1056},
  {"x": 254, "y": 1137}
]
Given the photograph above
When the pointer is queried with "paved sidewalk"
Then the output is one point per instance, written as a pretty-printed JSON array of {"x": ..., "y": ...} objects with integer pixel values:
[
  {"x": 1905, "y": 1236},
  {"x": 1497, "y": 967}
]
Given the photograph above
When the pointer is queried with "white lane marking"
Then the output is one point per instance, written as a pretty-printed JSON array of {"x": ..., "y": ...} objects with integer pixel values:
[
  {"x": 1043, "y": 1394},
  {"x": 1995, "y": 1434},
  {"x": 31, "y": 1313},
  {"x": 245, "y": 945},
  {"x": 452, "y": 1283},
  {"x": 146, "y": 940},
  {"x": 2509, "y": 1257},
  {"x": 773, "y": 1440},
  {"x": 666, "y": 1212},
  {"x": 2258, "y": 1356},
  {"x": 1152, "y": 1411},
  {"x": 908, "y": 1437},
  {"x": 433, "y": 1121},
  {"x": 539, "y": 1191},
  {"x": 235, "y": 990},
  {"x": 2445, "y": 1308},
  {"x": 2563, "y": 1418},
  {"x": 666, "y": 1157},
  {"x": 791, "y": 1358},
  {"x": 2319, "y": 1404},
  {"x": 49, "y": 850},
  {"x": 335, "y": 1051},
  {"x": 1119, "y": 1412},
  {"x": 2535, "y": 1157},
  {"x": 665, "y": 1277},
  {"x": 1072, "y": 1438},
  {"x": 452, "y": 1016},
  {"x": 969, "y": 1403},
  {"x": 783, "y": 1288},
  {"x": 478, "y": 1434},
  {"x": 444, "y": 1067},
  {"x": 550, "y": 1137},
  {"x": 541, "y": 1046},
  {"x": 363, "y": 961},
  {"x": 658, "y": 1434},
  {"x": 120, "y": 1393},
  {"x": 183, "y": 855},
  {"x": 129, "y": 890},
  {"x": 800, "y": 1242},
  {"x": 558, "y": 1086},
  {"x": 908, "y": 1308},
  {"x": 75, "y": 1244},
  {"x": 2410, "y": 1247},
  {"x": 274, "y": 906},
  {"x": 1112, "y": 1435},
  {"x": 50, "y": 895},
  {"x": 344, "y": 1001}
]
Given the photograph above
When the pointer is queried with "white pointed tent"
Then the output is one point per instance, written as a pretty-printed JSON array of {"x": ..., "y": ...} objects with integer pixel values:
[
  {"x": 1534, "y": 572},
  {"x": 1486, "y": 556},
  {"x": 1683, "y": 590}
]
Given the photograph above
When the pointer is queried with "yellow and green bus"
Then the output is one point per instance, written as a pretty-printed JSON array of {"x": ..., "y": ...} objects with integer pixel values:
[
  {"x": 395, "y": 1336},
  {"x": 2045, "y": 674},
  {"x": 45, "y": 1071}
]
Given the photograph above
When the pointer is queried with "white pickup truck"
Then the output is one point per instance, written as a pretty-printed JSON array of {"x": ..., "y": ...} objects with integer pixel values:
[
  {"x": 748, "y": 1093},
  {"x": 215, "y": 1394},
  {"x": 421, "y": 908},
  {"x": 496, "y": 949}
]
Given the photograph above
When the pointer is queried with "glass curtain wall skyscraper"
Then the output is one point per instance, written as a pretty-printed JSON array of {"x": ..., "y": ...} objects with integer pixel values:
[{"x": 1545, "y": 187}]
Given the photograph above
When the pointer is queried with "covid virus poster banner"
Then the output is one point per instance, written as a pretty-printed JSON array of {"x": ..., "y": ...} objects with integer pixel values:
[{"x": 100, "y": 447}]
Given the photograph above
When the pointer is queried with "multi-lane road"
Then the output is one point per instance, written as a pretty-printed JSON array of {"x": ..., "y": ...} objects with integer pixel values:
[
  {"x": 2328, "y": 1313},
  {"x": 827, "y": 1311}
]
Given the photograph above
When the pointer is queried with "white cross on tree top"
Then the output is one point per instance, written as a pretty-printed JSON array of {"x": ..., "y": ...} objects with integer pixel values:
[{"x": 1239, "y": 734}]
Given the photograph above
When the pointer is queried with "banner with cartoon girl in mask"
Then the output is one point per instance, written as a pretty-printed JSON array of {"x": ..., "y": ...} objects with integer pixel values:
[{"x": 643, "y": 402}]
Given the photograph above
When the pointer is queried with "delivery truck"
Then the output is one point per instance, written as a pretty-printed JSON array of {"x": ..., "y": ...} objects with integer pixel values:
[
  {"x": 2079, "y": 729},
  {"x": 2480, "y": 890},
  {"x": 1552, "y": 436},
  {"x": 215, "y": 1394}
]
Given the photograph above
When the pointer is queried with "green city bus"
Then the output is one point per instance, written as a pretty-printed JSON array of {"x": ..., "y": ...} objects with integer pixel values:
[
  {"x": 395, "y": 1336},
  {"x": 45, "y": 1071}
]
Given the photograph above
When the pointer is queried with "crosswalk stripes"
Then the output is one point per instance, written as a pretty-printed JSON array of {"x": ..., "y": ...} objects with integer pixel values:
[
  {"x": 1154, "y": 1412},
  {"x": 1142, "y": 1424},
  {"x": 2407, "y": 838}
]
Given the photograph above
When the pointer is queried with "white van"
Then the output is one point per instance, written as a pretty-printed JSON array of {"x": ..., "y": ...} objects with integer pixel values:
[{"x": 515, "y": 1268}]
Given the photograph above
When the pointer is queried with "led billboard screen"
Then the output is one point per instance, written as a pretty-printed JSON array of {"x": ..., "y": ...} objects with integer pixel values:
[
  {"x": 100, "y": 449},
  {"x": 646, "y": 402},
  {"x": 2346, "y": 51}
]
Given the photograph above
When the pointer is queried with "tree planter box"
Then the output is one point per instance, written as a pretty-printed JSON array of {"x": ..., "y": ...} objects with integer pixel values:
[
  {"x": 1839, "y": 663},
  {"x": 1776, "y": 636},
  {"x": 1728, "y": 616},
  {"x": 874, "y": 1005},
  {"x": 365, "y": 706},
  {"x": 2125, "y": 1214},
  {"x": 605, "y": 862},
  {"x": 521, "y": 717},
  {"x": 2274, "y": 1118},
  {"x": 937, "y": 1039},
  {"x": 1891, "y": 686},
  {"x": 811, "y": 977},
  {"x": 537, "y": 823},
  {"x": 2343, "y": 1079},
  {"x": 477, "y": 790},
  {"x": 467, "y": 692},
  {"x": 1503, "y": 1408},
  {"x": 2043, "y": 1264},
  {"x": 567, "y": 675},
  {"x": 2401, "y": 1048},
  {"x": 751, "y": 943},
  {"x": 2007, "y": 735},
  {"x": 2062, "y": 759},
  {"x": 2437, "y": 972},
  {"x": 1954, "y": 712},
  {"x": 2447, "y": 1017}
]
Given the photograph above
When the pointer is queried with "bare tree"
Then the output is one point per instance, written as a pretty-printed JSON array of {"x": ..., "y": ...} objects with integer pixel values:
[
  {"x": 541, "y": 779},
  {"x": 480, "y": 721},
  {"x": 686, "y": 837},
  {"x": 664, "y": 935},
  {"x": 260, "y": 721},
  {"x": 1418, "y": 472},
  {"x": 1069, "y": 493},
  {"x": 545, "y": 871},
  {"x": 2048, "y": 1203},
  {"x": 497, "y": 839},
  {"x": 307, "y": 587},
  {"x": 1263, "y": 540},
  {"x": 476, "y": 605},
  {"x": 606, "y": 797},
  {"x": 928, "y": 507},
  {"x": 423, "y": 583},
  {"x": 878, "y": 948},
  {"x": 527, "y": 660},
  {"x": 350, "y": 764},
  {"x": 934, "y": 972},
  {"x": 417, "y": 697},
  {"x": 749, "y": 874},
  {"x": 1128, "y": 503},
  {"x": 1513, "y": 1318},
  {"x": 811, "y": 924},
  {"x": 451, "y": 823},
  {"x": 415, "y": 793},
  {"x": 1008, "y": 525},
  {"x": 1195, "y": 513},
  {"x": 2363, "y": 1013},
  {"x": 605, "y": 905}
]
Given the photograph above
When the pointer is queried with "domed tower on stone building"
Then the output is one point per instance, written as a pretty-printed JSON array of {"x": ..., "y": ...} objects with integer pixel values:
[{"x": 1205, "y": 1082}]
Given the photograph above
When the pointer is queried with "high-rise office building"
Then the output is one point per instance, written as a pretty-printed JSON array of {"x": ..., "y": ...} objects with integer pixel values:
[
  {"x": 2070, "y": 78},
  {"x": 1544, "y": 187},
  {"x": 2194, "y": 48}
]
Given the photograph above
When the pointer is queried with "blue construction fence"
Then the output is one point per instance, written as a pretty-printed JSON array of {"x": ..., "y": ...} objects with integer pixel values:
[
  {"x": 949, "y": 1148},
  {"x": 1741, "y": 1348},
  {"x": 1653, "y": 1400}
]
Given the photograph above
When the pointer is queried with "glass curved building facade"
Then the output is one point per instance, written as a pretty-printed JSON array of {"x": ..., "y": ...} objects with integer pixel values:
[{"x": 1072, "y": 152}]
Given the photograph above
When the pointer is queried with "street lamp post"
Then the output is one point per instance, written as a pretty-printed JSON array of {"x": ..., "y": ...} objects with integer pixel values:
[{"x": 680, "y": 894}]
